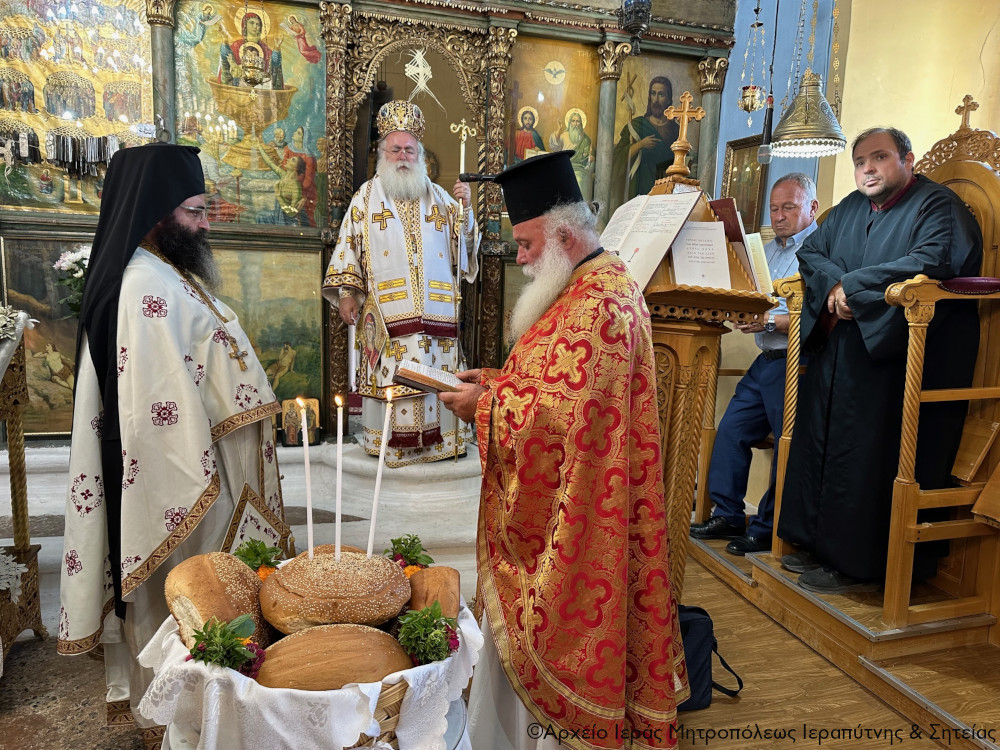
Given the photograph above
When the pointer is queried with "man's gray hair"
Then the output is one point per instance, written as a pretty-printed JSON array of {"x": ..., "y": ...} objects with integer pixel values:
[
  {"x": 801, "y": 179},
  {"x": 901, "y": 139},
  {"x": 577, "y": 218}
]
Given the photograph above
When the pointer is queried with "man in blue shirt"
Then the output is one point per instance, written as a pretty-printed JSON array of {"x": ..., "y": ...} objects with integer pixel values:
[{"x": 756, "y": 408}]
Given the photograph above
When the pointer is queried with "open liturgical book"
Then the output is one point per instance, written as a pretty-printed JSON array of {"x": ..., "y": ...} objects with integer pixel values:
[
  {"x": 424, "y": 378},
  {"x": 645, "y": 229}
]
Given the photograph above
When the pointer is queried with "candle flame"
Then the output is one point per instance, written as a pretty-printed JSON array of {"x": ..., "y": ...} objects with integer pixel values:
[
  {"x": 339, "y": 400},
  {"x": 388, "y": 394},
  {"x": 300, "y": 402}
]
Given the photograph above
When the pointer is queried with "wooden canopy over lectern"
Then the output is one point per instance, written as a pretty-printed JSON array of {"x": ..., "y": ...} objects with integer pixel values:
[{"x": 688, "y": 322}]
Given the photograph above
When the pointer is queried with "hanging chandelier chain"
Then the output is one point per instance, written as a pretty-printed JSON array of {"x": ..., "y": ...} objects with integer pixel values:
[
  {"x": 835, "y": 47},
  {"x": 752, "y": 95},
  {"x": 794, "y": 70},
  {"x": 812, "y": 35}
]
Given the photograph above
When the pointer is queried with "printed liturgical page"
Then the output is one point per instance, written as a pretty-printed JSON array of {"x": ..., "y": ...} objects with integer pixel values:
[
  {"x": 642, "y": 231},
  {"x": 700, "y": 255}
]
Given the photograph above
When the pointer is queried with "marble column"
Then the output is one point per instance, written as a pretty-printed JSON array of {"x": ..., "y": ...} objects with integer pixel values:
[
  {"x": 160, "y": 16},
  {"x": 711, "y": 77},
  {"x": 612, "y": 57}
]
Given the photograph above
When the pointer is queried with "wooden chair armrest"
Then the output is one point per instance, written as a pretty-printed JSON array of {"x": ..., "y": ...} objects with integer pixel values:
[{"x": 921, "y": 290}]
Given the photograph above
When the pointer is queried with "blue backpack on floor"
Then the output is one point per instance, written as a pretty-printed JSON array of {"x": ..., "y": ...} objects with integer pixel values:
[{"x": 699, "y": 645}]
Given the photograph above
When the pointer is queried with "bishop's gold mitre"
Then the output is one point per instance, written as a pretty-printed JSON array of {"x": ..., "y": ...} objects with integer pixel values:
[{"x": 400, "y": 115}]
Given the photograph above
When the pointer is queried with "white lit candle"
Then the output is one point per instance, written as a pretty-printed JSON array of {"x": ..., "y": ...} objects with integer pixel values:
[
  {"x": 305, "y": 448},
  {"x": 340, "y": 470},
  {"x": 381, "y": 465}
]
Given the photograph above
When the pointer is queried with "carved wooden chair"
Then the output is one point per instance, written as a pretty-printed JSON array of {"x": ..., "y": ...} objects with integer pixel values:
[{"x": 968, "y": 162}]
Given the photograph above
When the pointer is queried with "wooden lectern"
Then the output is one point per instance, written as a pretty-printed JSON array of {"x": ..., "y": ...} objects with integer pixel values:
[{"x": 688, "y": 322}]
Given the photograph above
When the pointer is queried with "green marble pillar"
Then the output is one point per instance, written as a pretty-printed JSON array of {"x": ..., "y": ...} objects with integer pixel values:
[
  {"x": 711, "y": 77},
  {"x": 612, "y": 56},
  {"x": 160, "y": 15}
]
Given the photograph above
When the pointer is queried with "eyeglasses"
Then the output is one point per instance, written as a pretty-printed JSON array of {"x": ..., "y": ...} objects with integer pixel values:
[
  {"x": 409, "y": 151},
  {"x": 201, "y": 211}
]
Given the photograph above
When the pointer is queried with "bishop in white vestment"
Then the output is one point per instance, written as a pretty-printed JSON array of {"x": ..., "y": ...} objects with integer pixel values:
[{"x": 396, "y": 273}]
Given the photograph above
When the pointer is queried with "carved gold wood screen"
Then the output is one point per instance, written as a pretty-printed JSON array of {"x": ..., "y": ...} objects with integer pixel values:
[{"x": 357, "y": 43}]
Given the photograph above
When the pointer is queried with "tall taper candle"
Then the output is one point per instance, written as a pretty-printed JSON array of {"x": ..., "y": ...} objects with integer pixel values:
[
  {"x": 305, "y": 448},
  {"x": 340, "y": 471},
  {"x": 381, "y": 465}
]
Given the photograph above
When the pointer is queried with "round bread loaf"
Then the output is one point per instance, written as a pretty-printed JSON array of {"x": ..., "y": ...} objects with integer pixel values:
[
  {"x": 328, "y": 657},
  {"x": 217, "y": 585},
  {"x": 329, "y": 549},
  {"x": 304, "y": 593},
  {"x": 436, "y": 584}
]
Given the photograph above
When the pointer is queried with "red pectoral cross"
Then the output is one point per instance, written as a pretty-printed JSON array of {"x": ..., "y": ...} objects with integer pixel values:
[
  {"x": 382, "y": 218},
  {"x": 436, "y": 216}
]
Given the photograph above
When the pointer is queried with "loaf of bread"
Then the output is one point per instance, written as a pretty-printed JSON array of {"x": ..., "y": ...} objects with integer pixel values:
[
  {"x": 438, "y": 583},
  {"x": 328, "y": 657},
  {"x": 217, "y": 585},
  {"x": 304, "y": 593},
  {"x": 329, "y": 549}
]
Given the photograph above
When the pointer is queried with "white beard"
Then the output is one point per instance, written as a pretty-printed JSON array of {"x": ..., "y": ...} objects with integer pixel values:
[
  {"x": 403, "y": 181},
  {"x": 575, "y": 135},
  {"x": 549, "y": 275}
]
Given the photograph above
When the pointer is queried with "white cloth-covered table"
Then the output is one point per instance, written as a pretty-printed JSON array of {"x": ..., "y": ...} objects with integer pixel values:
[{"x": 229, "y": 710}]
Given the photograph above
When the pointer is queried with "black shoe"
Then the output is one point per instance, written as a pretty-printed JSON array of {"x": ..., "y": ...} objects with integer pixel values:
[
  {"x": 747, "y": 543},
  {"x": 830, "y": 581},
  {"x": 799, "y": 562},
  {"x": 716, "y": 527}
]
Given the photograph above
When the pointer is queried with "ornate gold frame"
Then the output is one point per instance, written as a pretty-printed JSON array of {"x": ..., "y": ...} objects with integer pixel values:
[
  {"x": 737, "y": 152},
  {"x": 356, "y": 42}
]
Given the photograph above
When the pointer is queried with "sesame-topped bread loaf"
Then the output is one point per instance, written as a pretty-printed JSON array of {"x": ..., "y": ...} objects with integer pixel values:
[
  {"x": 329, "y": 549},
  {"x": 328, "y": 657},
  {"x": 217, "y": 585},
  {"x": 303, "y": 592}
]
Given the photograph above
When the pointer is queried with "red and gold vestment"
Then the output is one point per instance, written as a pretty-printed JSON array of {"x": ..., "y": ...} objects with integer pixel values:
[{"x": 573, "y": 552}]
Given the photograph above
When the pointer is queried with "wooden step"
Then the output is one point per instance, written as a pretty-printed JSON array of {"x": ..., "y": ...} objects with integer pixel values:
[
  {"x": 959, "y": 686},
  {"x": 850, "y": 624}
]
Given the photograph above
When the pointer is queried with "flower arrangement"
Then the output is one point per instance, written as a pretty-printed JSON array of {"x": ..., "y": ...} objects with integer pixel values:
[
  {"x": 259, "y": 556},
  {"x": 426, "y": 635},
  {"x": 74, "y": 263},
  {"x": 8, "y": 322},
  {"x": 409, "y": 553},
  {"x": 228, "y": 644}
]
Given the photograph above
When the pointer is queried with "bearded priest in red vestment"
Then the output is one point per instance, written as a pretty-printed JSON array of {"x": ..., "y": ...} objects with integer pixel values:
[{"x": 573, "y": 552}]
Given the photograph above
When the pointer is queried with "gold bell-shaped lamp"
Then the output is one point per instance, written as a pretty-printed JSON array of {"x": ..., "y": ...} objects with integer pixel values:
[{"x": 809, "y": 127}]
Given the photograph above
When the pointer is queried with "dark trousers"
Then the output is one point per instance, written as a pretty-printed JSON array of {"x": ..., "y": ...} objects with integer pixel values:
[{"x": 754, "y": 412}]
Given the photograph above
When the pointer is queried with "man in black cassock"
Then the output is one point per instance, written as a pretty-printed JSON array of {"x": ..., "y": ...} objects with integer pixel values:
[{"x": 845, "y": 448}]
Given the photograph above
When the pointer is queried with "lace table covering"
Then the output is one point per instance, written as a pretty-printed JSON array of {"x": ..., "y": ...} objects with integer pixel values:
[
  {"x": 228, "y": 710},
  {"x": 10, "y": 576}
]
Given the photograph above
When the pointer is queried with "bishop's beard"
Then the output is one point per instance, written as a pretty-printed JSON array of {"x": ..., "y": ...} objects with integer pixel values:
[
  {"x": 549, "y": 276},
  {"x": 403, "y": 181},
  {"x": 189, "y": 251}
]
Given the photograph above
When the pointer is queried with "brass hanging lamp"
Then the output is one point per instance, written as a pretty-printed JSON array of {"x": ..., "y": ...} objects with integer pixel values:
[{"x": 808, "y": 128}]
